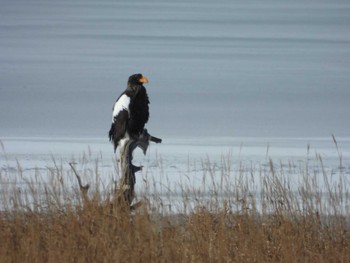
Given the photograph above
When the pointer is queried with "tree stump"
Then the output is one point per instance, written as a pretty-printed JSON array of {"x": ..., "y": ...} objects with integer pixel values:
[
  {"x": 125, "y": 193},
  {"x": 126, "y": 190}
]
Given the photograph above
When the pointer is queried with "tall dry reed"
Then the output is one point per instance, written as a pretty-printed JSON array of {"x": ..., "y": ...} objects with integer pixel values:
[{"x": 270, "y": 212}]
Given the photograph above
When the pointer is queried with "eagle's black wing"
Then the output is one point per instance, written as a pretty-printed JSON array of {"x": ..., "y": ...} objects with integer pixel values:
[{"x": 139, "y": 112}]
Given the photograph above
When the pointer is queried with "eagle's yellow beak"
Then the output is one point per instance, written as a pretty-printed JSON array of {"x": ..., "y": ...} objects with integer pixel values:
[{"x": 143, "y": 79}]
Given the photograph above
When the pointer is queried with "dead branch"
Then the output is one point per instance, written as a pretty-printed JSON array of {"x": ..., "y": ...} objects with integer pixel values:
[
  {"x": 125, "y": 193},
  {"x": 83, "y": 188}
]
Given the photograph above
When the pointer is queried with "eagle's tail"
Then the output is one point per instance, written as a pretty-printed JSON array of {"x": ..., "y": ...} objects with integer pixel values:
[
  {"x": 150, "y": 137},
  {"x": 155, "y": 139}
]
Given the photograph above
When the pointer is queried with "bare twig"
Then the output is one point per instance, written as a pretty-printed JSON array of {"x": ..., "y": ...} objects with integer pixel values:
[
  {"x": 83, "y": 188},
  {"x": 339, "y": 153}
]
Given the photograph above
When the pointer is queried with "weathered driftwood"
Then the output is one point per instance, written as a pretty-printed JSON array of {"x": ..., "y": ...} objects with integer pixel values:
[{"x": 125, "y": 193}]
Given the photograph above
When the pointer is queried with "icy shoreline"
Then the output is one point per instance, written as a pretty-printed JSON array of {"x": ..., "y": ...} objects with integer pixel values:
[
  {"x": 176, "y": 154},
  {"x": 197, "y": 167},
  {"x": 33, "y": 149}
]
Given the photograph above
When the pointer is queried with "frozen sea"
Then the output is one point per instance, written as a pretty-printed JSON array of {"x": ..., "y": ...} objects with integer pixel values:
[{"x": 253, "y": 80}]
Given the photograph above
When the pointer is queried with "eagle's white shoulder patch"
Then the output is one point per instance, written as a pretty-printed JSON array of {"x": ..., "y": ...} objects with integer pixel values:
[{"x": 121, "y": 104}]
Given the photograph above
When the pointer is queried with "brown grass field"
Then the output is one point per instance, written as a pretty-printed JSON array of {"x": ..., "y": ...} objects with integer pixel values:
[{"x": 52, "y": 223}]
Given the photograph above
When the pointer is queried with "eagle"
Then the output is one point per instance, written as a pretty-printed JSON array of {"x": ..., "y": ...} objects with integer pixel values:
[{"x": 130, "y": 112}]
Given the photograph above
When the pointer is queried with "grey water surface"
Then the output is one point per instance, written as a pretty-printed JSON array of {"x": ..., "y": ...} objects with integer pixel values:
[{"x": 216, "y": 68}]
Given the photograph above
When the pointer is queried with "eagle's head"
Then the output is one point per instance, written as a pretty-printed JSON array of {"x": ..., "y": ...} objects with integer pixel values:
[{"x": 137, "y": 79}]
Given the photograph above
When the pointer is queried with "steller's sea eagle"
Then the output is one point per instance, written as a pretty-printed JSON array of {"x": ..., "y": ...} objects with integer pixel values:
[{"x": 130, "y": 112}]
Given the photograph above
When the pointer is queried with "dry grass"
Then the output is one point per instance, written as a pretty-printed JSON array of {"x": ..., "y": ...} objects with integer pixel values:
[{"x": 242, "y": 215}]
